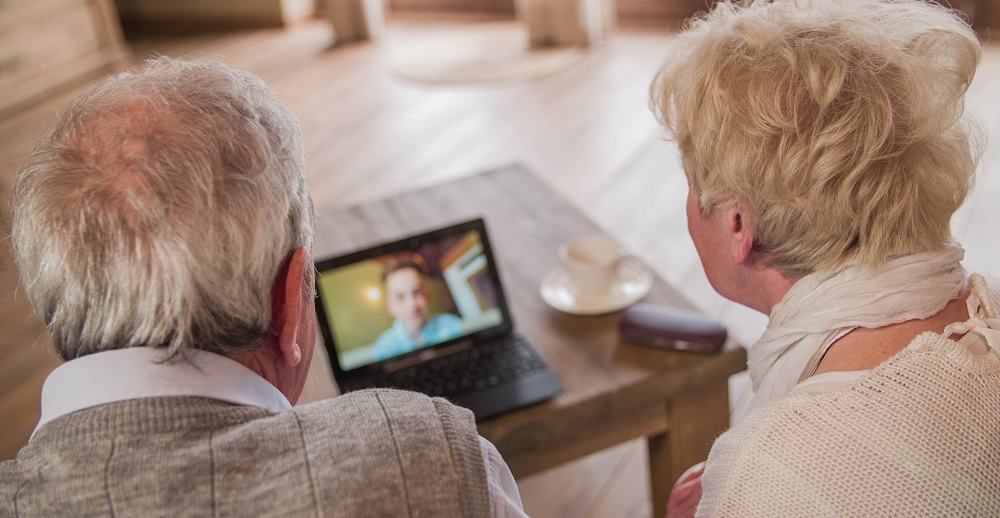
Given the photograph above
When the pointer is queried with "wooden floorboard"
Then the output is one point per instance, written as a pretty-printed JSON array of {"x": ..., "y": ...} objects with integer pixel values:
[{"x": 368, "y": 133}]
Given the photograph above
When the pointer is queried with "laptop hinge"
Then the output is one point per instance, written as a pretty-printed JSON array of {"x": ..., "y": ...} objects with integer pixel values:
[{"x": 426, "y": 356}]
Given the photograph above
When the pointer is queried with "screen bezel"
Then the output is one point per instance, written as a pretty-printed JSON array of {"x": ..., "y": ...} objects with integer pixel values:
[{"x": 412, "y": 242}]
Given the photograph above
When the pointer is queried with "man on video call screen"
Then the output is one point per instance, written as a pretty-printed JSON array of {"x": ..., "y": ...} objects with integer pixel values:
[
  {"x": 404, "y": 283},
  {"x": 399, "y": 302}
]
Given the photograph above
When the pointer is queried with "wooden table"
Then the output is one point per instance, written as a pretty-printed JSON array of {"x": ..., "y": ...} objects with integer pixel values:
[{"x": 615, "y": 391}]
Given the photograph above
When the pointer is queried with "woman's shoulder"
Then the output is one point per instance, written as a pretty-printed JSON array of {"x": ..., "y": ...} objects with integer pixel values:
[
  {"x": 900, "y": 426},
  {"x": 864, "y": 349},
  {"x": 986, "y": 287}
]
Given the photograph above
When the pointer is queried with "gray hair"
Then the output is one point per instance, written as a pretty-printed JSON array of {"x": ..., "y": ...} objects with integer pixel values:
[{"x": 160, "y": 211}]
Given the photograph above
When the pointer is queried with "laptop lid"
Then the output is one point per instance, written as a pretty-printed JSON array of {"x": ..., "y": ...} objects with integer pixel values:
[{"x": 392, "y": 302}]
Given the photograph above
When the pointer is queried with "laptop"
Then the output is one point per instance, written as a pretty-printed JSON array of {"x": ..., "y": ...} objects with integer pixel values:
[{"x": 427, "y": 313}]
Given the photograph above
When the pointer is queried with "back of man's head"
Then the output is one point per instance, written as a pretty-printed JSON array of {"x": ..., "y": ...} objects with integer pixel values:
[{"x": 160, "y": 210}]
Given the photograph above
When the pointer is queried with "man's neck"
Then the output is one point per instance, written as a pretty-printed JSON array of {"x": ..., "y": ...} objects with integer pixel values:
[
  {"x": 415, "y": 329},
  {"x": 269, "y": 365}
]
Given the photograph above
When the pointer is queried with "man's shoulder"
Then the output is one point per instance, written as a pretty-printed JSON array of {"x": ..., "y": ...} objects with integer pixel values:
[
  {"x": 447, "y": 318},
  {"x": 354, "y": 453},
  {"x": 387, "y": 336},
  {"x": 446, "y": 325},
  {"x": 429, "y": 439},
  {"x": 366, "y": 399},
  {"x": 382, "y": 404},
  {"x": 380, "y": 399},
  {"x": 370, "y": 418},
  {"x": 391, "y": 342}
]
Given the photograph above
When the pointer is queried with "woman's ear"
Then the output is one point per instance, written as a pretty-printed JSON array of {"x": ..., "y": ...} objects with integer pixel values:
[{"x": 740, "y": 232}]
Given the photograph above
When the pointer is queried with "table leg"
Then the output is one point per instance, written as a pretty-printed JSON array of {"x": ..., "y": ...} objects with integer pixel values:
[
  {"x": 563, "y": 22},
  {"x": 696, "y": 419},
  {"x": 355, "y": 20}
]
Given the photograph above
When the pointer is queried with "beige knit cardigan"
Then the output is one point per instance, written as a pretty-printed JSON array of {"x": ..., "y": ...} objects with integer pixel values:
[{"x": 918, "y": 436}]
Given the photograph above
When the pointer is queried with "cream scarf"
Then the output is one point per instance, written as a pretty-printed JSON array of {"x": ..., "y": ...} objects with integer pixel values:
[{"x": 824, "y": 306}]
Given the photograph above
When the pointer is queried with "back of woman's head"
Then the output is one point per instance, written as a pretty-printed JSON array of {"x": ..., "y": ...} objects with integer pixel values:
[{"x": 837, "y": 122}]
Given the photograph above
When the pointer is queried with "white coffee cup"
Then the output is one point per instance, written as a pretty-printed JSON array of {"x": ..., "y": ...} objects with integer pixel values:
[{"x": 592, "y": 263}]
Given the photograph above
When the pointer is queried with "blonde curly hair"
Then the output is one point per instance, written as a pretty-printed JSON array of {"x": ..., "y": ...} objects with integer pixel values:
[{"x": 838, "y": 122}]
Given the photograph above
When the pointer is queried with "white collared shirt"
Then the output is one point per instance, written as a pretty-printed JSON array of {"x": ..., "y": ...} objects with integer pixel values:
[{"x": 142, "y": 372}]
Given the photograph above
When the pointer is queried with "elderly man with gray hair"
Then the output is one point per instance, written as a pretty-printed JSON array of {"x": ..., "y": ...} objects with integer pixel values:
[{"x": 163, "y": 234}]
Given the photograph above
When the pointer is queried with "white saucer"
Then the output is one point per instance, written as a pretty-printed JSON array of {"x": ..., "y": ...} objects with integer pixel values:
[{"x": 633, "y": 282}]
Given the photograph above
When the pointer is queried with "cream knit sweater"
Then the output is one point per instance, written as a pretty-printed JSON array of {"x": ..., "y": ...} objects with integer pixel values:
[{"x": 918, "y": 436}]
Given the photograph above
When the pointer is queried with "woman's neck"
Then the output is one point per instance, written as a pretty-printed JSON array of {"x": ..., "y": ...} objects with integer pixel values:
[{"x": 864, "y": 349}]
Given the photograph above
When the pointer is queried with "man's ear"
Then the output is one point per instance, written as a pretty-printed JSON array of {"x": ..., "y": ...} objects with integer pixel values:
[
  {"x": 740, "y": 232},
  {"x": 286, "y": 306}
]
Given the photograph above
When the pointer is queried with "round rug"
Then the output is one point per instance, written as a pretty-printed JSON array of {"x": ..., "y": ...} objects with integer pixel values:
[{"x": 486, "y": 52}]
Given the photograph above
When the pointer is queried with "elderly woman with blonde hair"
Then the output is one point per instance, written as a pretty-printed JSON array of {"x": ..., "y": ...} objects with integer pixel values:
[{"x": 826, "y": 150}]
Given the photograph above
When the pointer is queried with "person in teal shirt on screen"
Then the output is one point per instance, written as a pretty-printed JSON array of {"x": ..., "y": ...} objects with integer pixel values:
[{"x": 406, "y": 299}]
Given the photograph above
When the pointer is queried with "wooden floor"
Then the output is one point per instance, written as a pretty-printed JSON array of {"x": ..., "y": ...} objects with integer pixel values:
[{"x": 368, "y": 133}]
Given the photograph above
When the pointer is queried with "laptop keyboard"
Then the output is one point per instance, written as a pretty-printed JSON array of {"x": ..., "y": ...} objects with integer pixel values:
[{"x": 481, "y": 367}]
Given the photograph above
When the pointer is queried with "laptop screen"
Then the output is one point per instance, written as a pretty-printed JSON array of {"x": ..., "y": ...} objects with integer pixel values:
[{"x": 389, "y": 301}]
